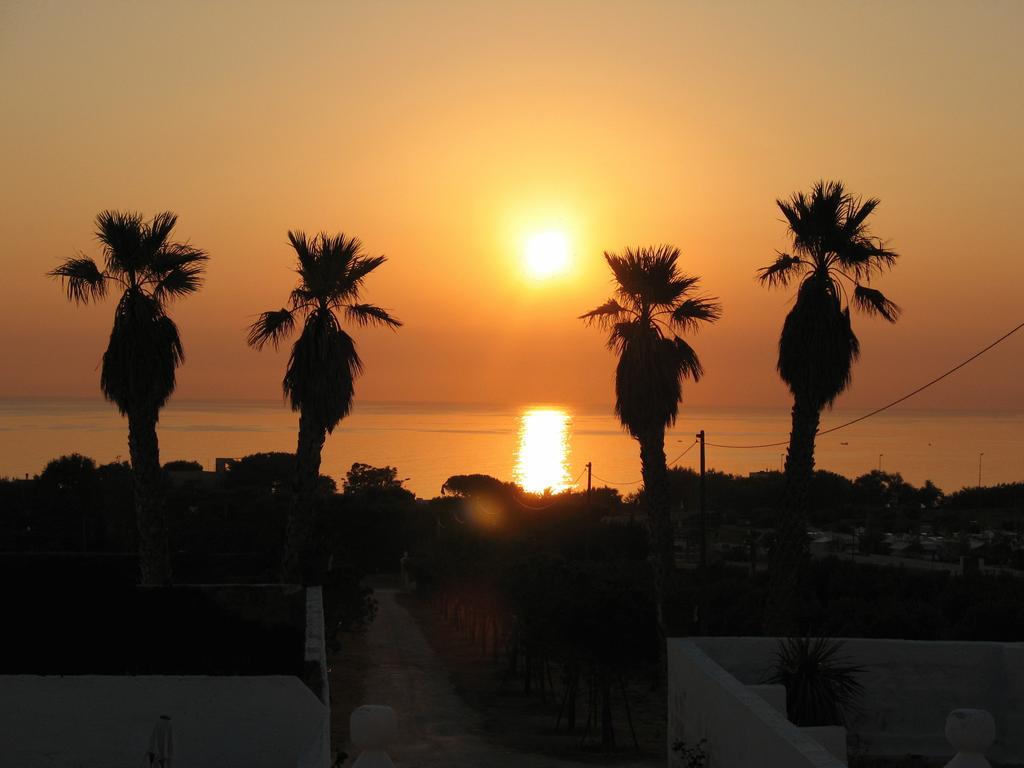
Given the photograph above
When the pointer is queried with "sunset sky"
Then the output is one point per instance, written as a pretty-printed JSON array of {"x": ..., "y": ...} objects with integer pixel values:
[{"x": 447, "y": 134}]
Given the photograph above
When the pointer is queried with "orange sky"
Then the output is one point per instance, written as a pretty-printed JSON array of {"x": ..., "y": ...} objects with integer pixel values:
[{"x": 444, "y": 133}]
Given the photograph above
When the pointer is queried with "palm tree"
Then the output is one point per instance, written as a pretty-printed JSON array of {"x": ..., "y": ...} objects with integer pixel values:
[
  {"x": 653, "y": 303},
  {"x": 319, "y": 380},
  {"x": 138, "y": 374},
  {"x": 833, "y": 259}
]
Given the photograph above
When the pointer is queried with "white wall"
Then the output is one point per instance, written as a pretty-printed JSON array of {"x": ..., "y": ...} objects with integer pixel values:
[
  {"x": 910, "y": 688},
  {"x": 96, "y": 721},
  {"x": 316, "y": 656},
  {"x": 742, "y": 729}
]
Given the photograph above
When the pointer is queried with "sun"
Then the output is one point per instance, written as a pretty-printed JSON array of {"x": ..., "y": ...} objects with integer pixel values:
[{"x": 547, "y": 253}]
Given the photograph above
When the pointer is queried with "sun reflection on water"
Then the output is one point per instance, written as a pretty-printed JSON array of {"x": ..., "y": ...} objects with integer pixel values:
[{"x": 542, "y": 459}]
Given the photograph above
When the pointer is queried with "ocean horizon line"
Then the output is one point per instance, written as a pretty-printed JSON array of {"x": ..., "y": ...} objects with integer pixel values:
[{"x": 477, "y": 405}]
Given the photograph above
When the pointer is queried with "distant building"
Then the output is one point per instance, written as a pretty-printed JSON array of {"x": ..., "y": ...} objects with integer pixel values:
[
  {"x": 223, "y": 465},
  {"x": 201, "y": 477}
]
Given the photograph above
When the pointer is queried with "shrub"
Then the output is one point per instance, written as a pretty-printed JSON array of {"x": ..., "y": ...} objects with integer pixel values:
[{"x": 821, "y": 687}]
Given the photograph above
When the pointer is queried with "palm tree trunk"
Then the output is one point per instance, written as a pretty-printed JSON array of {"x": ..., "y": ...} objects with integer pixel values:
[
  {"x": 299, "y": 529},
  {"x": 662, "y": 544},
  {"x": 789, "y": 556},
  {"x": 144, "y": 448}
]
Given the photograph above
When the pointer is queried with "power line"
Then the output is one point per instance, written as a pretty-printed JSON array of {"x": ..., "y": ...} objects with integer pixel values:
[
  {"x": 781, "y": 443},
  {"x": 895, "y": 402},
  {"x": 677, "y": 458},
  {"x": 923, "y": 387},
  {"x": 762, "y": 445},
  {"x": 556, "y": 497},
  {"x": 611, "y": 482},
  {"x": 637, "y": 482}
]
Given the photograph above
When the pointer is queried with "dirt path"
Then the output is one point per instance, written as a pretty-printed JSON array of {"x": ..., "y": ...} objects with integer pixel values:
[{"x": 436, "y": 728}]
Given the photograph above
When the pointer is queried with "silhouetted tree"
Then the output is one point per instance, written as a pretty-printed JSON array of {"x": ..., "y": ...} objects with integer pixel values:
[
  {"x": 138, "y": 372},
  {"x": 929, "y": 495},
  {"x": 71, "y": 486},
  {"x": 364, "y": 477},
  {"x": 834, "y": 258},
  {"x": 183, "y": 465},
  {"x": 653, "y": 302},
  {"x": 319, "y": 380},
  {"x": 274, "y": 470},
  {"x": 474, "y": 485},
  {"x": 372, "y": 522}
]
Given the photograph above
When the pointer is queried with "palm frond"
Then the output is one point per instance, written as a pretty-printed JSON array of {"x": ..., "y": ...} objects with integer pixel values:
[
  {"x": 270, "y": 327},
  {"x": 677, "y": 288},
  {"x": 604, "y": 315},
  {"x": 179, "y": 281},
  {"x": 335, "y": 256},
  {"x": 866, "y": 256},
  {"x": 781, "y": 271},
  {"x": 622, "y": 332},
  {"x": 301, "y": 296},
  {"x": 167, "y": 331},
  {"x": 356, "y": 273},
  {"x": 321, "y": 373},
  {"x": 121, "y": 234},
  {"x": 874, "y": 303},
  {"x": 158, "y": 231},
  {"x": 143, "y": 353},
  {"x": 300, "y": 243},
  {"x": 647, "y": 274},
  {"x": 795, "y": 210},
  {"x": 369, "y": 314},
  {"x": 817, "y": 346},
  {"x": 341, "y": 247},
  {"x": 82, "y": 279},
  {"x": 687, "y": 362},
  {"x": 815, "y": 221},
  {"x": 689, "y": 314},
  {"x": 172, "y": 255},
  {"x": 857, "y": 212},
  {"x": 649, "y": 376}
]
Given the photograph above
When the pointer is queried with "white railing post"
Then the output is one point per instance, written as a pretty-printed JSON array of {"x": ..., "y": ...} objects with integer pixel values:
[
  {"x": 372, "y": 728},
  {"x": 970, "y": 732}
]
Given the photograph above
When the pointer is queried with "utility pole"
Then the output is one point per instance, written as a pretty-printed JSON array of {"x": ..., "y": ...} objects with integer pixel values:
[
  {"x": 590, "y": 512},
  {"x": 703, "y": 507},
  {"x": 880, "y": 461},
  {"x": 979, "y": 468},
  {"x": 702, "y": 575}
]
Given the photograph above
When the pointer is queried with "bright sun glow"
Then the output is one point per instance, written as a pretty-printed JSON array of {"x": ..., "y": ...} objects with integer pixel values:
[
  {"x": 547, "y": 253},
  {"x": 542, "y": 461}
]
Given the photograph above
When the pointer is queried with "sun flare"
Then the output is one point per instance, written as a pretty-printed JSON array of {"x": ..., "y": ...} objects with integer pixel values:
[{"x": 547, "y": 253}]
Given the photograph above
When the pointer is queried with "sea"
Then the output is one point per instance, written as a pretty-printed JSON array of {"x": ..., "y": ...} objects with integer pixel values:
[{"x": 538, "y": 445}]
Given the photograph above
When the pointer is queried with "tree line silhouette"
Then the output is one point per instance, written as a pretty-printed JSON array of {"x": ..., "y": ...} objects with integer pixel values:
[{"x": 833, "y": 259}]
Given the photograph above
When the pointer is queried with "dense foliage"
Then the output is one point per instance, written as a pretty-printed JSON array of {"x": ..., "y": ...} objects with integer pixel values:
[{"x": 554, "y": 563}]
